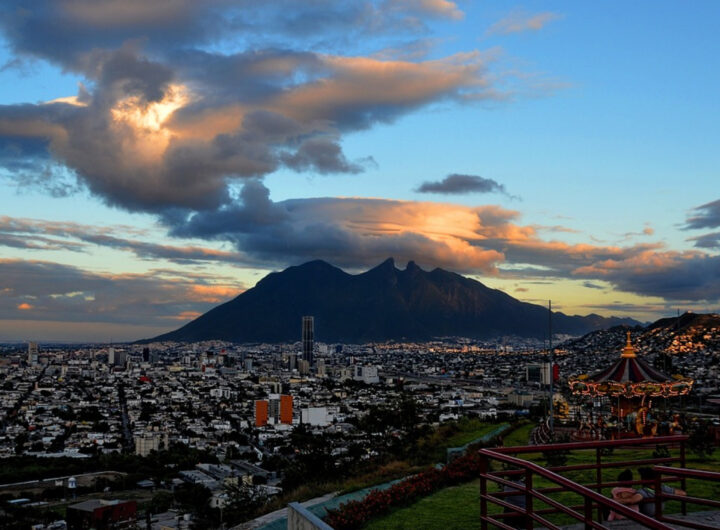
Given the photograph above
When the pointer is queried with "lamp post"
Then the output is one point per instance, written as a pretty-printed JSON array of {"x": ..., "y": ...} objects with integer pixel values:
[{"x": 552, "y": 369}]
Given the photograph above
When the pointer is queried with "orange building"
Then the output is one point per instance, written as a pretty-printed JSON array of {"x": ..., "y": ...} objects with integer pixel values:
[
  {"x": 261, "y": 413},
  {"x": 286, "y": 409}
]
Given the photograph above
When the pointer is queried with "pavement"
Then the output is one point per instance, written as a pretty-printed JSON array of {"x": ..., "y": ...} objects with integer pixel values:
[{"x": 711, "y": 519}]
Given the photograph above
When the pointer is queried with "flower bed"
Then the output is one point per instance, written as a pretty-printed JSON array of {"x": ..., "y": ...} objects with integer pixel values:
[{"x": 355, "y": 514}]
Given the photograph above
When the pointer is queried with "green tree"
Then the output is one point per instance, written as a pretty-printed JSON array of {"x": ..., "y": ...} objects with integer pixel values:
[{"x": 701, "y": 441}]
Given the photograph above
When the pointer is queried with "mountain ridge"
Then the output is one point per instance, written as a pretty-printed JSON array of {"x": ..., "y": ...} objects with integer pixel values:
[{"x": 382, "y": 303}]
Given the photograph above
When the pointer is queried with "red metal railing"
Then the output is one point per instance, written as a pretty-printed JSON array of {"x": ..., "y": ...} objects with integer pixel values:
[
  {"x": 590, "y": 493},
  {"x": 660, "y": 496}
]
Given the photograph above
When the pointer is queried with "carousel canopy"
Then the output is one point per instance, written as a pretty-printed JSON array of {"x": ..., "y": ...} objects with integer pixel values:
[{"x": 630, "y": 376}]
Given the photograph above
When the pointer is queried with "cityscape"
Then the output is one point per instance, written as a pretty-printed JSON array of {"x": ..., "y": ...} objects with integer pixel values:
[{"x": 380, "y": 264}]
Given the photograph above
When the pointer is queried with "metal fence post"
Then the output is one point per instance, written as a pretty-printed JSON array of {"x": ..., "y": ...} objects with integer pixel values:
[
  {"x": 483, "y": 492},
  {"x": 529, "y": 521},
  {"x": 658, "y": 498},
  {"x": 598, "y": 478},
  {"x": 683, "y": 482},
  {"x": 588, "y": 513}
]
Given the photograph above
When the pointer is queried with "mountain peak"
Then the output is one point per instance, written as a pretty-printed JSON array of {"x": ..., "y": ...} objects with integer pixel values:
[
  {"x": 387, "y": 265},
  {"x": 412, "y": 267}
]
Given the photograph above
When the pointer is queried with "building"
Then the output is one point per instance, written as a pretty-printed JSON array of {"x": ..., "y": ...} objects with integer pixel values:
[
  {"x": 147, "y": 442},
  {"x": 308, "y": 338},
  {"x": 101, "y": 514},
  {"x": 303, "y": 367},
  {"x": 261, "y": 412},
  {"x": 315, "y": 416},
  {"x": 321, "y": 370},
  {"x": 366, "y": 374},
  {"x": 538, "y": 373},
  {"x": 286, "y": 409},
  {"x": 278, "y": 408},
  {"x": 146, "y": 354},
  {"x": 32, "y": 353}
]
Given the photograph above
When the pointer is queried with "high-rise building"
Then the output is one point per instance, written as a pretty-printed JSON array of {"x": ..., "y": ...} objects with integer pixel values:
[
  {"x": 120, "y": 358},
  {"x": 321, "y": 371},
  {"x": 146, "y": 354},
  {"x": 303, "y": 367},
  {"x": 538, "y": 373},
  {"x": 261, "y": 412},
  {"x": 111, "y": 356},
  {"x": 308, "y": 338},
  {"x": 32, "y": 353},
  {"x": 286, "y": 409}
]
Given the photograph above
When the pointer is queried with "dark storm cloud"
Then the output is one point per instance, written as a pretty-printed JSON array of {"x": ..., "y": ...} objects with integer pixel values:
[
  {"x": 157, "y": 131},
  {"x": 705, "y": 216},
  {"x": 711, "y": 240},
  {"x": 669, "y": 275},
  {"x": 65, "y": 30},
  {"x": 462, "y": 184},
  {"x": 322, "y": 155}
]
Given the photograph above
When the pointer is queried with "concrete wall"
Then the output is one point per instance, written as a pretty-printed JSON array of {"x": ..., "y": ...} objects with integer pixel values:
[{"x": 300, "y": 518}]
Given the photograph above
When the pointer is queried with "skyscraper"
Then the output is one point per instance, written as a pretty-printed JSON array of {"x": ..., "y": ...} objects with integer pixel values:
[
  {"x": 308, "y": 338},
  {"x": 33, "y": 353}
]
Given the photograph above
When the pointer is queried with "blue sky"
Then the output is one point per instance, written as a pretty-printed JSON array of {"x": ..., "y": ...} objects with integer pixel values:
[{"x": 210, "y": 143}]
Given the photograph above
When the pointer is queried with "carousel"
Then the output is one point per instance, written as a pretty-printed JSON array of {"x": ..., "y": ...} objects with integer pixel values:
[{"x": 631, "y": 386}]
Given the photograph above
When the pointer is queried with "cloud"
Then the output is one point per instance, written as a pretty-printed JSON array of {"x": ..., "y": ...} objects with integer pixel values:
[
  {"x": 44, "y": 291},
  {"x": 64, "y": 30},
  {"x": 350, "y": 232},
  {"x": 520, "y": 21},
  {"x": 462, "y": 184},
  {"x": 711, "y": 240},
  {"x": 152, "y": 135},
  {"x": 705, "y": 216},
  {"x": 439, "y": 8},
  {"x": 670, "y": 275},
  {"x": 36, "y": 234},
  {"x": 357, "y": 232}
]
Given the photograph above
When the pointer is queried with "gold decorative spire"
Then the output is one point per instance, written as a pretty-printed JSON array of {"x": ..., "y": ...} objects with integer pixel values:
[{"x": 628, "y": 351}]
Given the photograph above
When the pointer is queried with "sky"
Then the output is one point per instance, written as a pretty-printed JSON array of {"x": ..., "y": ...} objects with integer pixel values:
[{"x": 159, "y": 157}]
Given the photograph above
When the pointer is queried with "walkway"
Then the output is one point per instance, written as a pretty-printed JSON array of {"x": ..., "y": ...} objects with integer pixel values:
[{"x": 708, "y": 518}]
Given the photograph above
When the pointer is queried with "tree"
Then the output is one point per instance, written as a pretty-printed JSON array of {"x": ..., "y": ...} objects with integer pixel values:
[
  {"x": 701, "y": 441},
  {"x": 161, "y": 502}
]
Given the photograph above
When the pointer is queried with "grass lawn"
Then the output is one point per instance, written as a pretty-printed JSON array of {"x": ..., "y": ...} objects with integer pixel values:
[
  {"x": 470, "y": 430},
  {"x": 455, "y": 508},
  {"x": 518, "y": 436},
  {"x": 459, "y": 506}
]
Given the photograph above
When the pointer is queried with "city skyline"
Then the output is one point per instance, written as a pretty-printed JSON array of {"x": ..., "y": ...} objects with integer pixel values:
[{"x": 157, "y": 159}]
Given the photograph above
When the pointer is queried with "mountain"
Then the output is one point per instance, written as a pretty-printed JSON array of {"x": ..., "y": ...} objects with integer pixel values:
[
  {"x": 686, "y": 333},
  {"x": 380, "y": 304},
  {"x": 689, "y": 332}
]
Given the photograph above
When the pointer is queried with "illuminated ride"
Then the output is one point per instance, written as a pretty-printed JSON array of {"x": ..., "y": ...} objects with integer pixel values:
[{"x": 630, "y": 384}]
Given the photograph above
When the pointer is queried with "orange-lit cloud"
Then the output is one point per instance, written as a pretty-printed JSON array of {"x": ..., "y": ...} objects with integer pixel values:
[
  {"x": 185, "y": 315},
  {"x": 212, "y": 293},
  {"x": 24, "y": 306}
]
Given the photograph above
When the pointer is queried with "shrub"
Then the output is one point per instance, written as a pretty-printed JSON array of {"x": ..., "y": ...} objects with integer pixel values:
[{"x": 354, "y": 514}]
